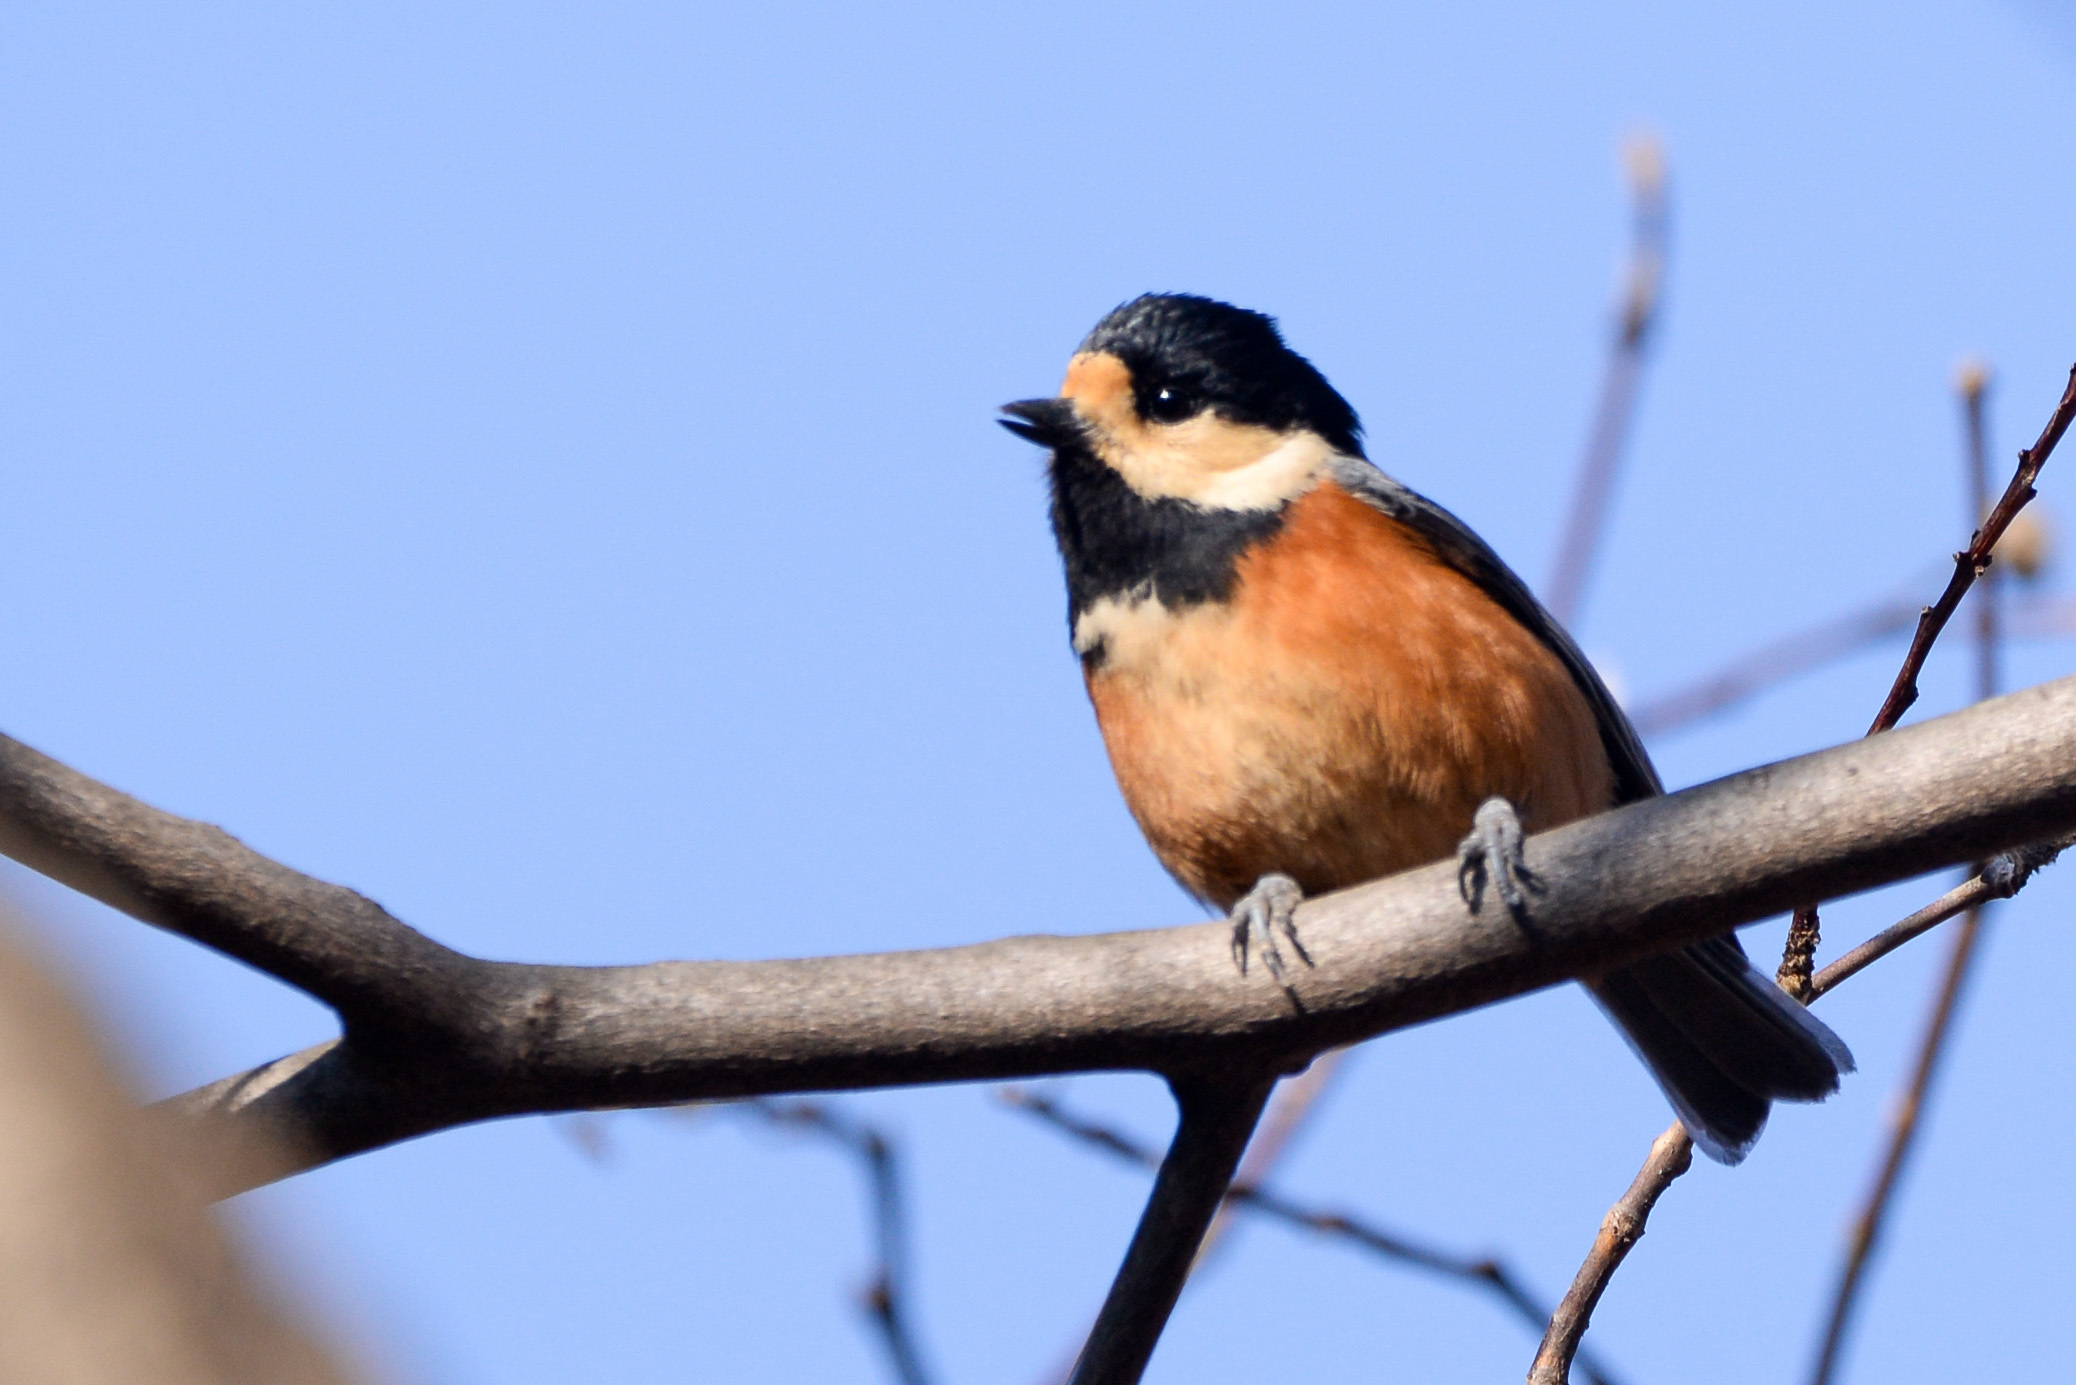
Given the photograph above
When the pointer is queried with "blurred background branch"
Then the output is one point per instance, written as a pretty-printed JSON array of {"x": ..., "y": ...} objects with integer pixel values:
[
  {"x": 1486, "y": 1273},
  {"x": 1643, "y": 285}
]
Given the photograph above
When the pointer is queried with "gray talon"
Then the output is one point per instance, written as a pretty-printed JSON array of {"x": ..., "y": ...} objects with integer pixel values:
[
  {"x": 1263, "y": 912},
  {"x": 1493, "y": 851}
]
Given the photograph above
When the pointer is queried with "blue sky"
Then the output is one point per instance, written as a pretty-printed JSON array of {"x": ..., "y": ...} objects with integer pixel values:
[{"x": 537, "y": 467}]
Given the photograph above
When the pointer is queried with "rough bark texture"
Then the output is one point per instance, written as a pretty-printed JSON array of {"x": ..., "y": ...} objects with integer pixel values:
[{"x": 434, "y": 1038}]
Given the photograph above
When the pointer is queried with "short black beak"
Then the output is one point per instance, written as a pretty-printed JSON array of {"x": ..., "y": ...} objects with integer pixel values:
[{"x": 1047, "y": 422}]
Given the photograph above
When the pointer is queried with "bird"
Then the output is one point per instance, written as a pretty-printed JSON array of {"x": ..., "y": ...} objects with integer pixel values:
[{"x": 1307, "y": 675}]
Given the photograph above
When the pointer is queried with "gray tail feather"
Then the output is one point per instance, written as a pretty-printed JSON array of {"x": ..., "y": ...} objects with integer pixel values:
[{"x": 1722, "y": 1040}]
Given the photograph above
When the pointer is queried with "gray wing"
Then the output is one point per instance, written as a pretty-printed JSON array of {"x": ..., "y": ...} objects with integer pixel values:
[{"x": 1468, "y": 554}]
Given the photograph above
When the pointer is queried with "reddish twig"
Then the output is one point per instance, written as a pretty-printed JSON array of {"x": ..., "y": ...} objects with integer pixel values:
[
  {"x": 1634, "y": 319},
  {"x": 1483, "y": 1272},
  {"x": 885, "y": 1298},
  {"x": 1805, "y": 932},
  {"x": 1974, "y": 560}
]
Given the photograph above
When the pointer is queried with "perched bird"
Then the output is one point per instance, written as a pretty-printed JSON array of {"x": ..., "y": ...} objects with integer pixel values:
[{"x": 1309, "y": 676}]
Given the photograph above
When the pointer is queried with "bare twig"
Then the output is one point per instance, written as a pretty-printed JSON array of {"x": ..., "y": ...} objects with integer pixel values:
[
  {"x": 1803, "y": 934},
  {"x": 1974, "y": 560},
  {"x": 1867, "y": 1226},
  {"x": 2005, "y": 875},
  {"x": 1480, "y": 1271},
  {"x": 2036, "y": 615},
  {"x": 1215, "y": 1120},
  {"x": 1672, "y": 1154},
  {"x": 886, "y": 1297},
  {"x": 1906, "y": 1121},
  {"x": 1634, "y": 319}
]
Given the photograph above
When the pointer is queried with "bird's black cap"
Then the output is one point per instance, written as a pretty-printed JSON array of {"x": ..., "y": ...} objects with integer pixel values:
[
  {"x": 1188, "y": 354},
  {"x": 1232, "y": 359}
]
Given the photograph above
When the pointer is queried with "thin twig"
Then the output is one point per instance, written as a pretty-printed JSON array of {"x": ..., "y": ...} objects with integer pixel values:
[
  {"x": 1909, "y": 1111},
  {"x": 2005, "y": 875},
  {"x": 1867, "y": 1226},
  {"x": 1806, "y": 932},
  {"x": 1634, "y": 319},
  {"x": 1672, "y": 1154},
  {"x": 2033, "y": 616},
  {"x": 1974, "y": 560},
  {"x": 1573, "y": 1315},
  {"x": 1482, "y": 1272},
  {"x": 885, "y": 1298},
  {"x": 1215, "y": 1121}
]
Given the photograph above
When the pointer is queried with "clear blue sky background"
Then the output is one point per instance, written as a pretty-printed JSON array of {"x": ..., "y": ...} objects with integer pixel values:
[{"x": 538, "y": 467}]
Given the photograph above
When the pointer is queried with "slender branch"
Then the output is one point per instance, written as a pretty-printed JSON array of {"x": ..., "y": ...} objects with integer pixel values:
[
  {"x": 2003, "y": 877},
  {"x": 2035, "y": 615},
  {"x": 1635, "y": 317},
  {"x": 1904, "y": 1126},
  {"x": 1482, "y": 1272},
  {"x": 886, "y": 1297},
  {"x": 1216, "y": 1119},
  {"x": 1672, "y": 1154}
]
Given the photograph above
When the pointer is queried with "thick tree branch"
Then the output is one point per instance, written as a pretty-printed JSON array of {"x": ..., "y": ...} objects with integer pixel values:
[{"x": 513, "y": 1039}]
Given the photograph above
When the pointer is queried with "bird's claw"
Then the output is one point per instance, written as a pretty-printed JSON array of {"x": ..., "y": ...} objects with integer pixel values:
[
  {"x": 1266, "y": 910},
  {"x": 1493, "y": 851}
]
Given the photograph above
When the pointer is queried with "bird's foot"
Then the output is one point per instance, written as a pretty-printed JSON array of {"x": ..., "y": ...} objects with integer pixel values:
[
  {"x": 1266, "y": 910},
  {"x": 1493, "y": 852}
]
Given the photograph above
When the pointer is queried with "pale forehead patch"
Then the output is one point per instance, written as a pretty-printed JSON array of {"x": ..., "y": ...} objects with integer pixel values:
[{"x": 1207, "y": 460}]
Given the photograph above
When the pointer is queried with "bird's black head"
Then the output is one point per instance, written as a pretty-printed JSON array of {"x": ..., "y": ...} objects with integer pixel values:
[
  {"x": 1189, "y": 355},
  {"x": 1189, "y": 399},
  {"x": 1184, "y": 430}
]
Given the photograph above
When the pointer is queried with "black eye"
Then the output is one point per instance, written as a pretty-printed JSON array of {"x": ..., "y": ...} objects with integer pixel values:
[{"x": 1169, "y": 404}]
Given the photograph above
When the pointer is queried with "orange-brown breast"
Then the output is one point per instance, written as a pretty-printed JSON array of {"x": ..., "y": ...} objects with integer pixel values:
[{"x": 1340, "y": 717}]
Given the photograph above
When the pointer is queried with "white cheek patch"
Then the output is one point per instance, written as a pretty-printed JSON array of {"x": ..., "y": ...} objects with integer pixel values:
[{"x": 1218, "y": 465}]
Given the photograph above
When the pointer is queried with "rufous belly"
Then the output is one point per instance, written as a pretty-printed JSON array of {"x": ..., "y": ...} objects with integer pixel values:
[{"x": 1340, "y": 717}]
